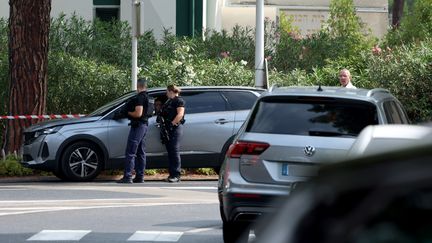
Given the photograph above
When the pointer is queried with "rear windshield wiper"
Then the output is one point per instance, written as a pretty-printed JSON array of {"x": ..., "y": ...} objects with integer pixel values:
[{"x": 323, "y": 133}]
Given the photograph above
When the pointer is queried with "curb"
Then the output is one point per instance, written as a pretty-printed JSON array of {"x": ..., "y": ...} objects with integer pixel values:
[{"x": 104, "y": 178}]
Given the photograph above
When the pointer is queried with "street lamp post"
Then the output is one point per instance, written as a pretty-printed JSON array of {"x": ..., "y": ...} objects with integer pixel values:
[
  {"x": 259, "y": 45},
  {"x": 137, "y": 30}
]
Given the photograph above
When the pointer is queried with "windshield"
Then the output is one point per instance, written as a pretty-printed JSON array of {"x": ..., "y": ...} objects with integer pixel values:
[{"x": 103, "y": 110}]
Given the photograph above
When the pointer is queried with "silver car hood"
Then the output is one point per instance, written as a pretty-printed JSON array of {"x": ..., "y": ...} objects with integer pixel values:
[{"x": 60, "y": 122}]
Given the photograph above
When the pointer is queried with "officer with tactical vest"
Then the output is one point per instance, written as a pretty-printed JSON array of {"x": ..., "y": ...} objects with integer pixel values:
[
  {"x": 138, "y": 114},
  {"x": 173, "y": 118}
]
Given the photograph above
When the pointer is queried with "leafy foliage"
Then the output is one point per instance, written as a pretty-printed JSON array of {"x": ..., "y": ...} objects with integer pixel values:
[
  {"x": 77, "y": 85},
  {"x": 407, "y": 72},
  {"x": 11, "y": 167},
  {"x": 415, "y": 27},
  {"x": 342, "y": 39}
]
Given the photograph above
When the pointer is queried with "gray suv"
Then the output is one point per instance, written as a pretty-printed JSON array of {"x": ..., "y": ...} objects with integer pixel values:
[
  {"x": 287, "y": 135},
  {"x": 78, "y": 149}
]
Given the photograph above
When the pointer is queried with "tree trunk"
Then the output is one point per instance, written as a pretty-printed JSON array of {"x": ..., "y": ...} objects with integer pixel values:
[
  {"x": 29, "y": 24},
  {"x": 398, "y": 6}
]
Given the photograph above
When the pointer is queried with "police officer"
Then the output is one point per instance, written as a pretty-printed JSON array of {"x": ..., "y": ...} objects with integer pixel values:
[
  {"x": 173, "y": 113},
  {"x": 135, "y": 148}
]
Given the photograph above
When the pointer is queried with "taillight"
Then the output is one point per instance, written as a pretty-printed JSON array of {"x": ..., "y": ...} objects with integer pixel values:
[{"x": 240, "y": 148}]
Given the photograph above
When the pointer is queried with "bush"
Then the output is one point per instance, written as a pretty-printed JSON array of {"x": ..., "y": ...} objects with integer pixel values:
[
  {"x": 406, "y": 71},
  {"x": 343, "y": 37},
  {"x": 11, "y": 167},
  {"x": 78, "y": 85},
  {"x": 204, "y": 171},
  {"x": 182, "y": 66},
  {"x": 106, "y": 42},
  {"x": 415, "y": 27}
]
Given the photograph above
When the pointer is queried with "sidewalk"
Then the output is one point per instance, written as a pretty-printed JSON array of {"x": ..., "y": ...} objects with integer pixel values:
[{"x": 158, "y": 177}]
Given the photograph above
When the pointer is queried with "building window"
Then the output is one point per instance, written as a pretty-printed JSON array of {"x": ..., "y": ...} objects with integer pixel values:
[
  {"x": 107, "y": 14},
  {"x": 107, "y": 10}
]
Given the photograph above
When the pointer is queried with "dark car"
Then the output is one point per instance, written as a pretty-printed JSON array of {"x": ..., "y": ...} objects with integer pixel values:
[{"x": 78, "y": 149}]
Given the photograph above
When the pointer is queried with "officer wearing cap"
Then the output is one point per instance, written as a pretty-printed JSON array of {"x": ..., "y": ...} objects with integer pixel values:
[{"x": 135, "y": 148}]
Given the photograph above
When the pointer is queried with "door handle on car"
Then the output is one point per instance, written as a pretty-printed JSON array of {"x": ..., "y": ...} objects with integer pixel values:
[{"x": 221, "y": 121}]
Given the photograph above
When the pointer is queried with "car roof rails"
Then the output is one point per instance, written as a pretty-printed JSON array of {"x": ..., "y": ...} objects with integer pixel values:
[
  {"x": 273, "y": 87},
  {"x": 376, "y": 90}
]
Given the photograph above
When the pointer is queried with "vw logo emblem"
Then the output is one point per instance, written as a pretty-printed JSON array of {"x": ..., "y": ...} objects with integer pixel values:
[{"x": 309, "y": 150}]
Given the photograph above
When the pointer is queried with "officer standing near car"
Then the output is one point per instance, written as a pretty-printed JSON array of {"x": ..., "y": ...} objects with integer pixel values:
[
  {"x": 135, "y": 148},
  {"x": 173, "y": 113}
]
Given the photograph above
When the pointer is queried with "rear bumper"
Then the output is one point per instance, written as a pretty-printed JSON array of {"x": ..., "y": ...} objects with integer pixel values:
[{"x": 248, "y": 207}]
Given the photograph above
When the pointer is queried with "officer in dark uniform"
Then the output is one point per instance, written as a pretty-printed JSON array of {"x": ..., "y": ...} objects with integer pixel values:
[
  {"x": 173, "y": 113},
  {"x": 135, "y": 149}
]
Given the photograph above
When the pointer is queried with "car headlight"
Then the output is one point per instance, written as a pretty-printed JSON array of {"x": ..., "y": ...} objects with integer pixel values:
[{"x": 47, "y": 131}]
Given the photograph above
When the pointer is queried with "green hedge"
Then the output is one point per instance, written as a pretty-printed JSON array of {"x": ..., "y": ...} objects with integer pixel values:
[
  {"x": 79, "y": 85},
  {"x": 407, "y": 72},
  {"x": 90, "y": 61}
]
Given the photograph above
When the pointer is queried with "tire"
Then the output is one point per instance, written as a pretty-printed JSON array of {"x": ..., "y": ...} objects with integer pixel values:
[
  {"x": 82, "y": 161},
  {"x": 222, "y": 214},
  {"x": 235, "y": 232},
  {"x": 223, "y": 153},
  {"x": 59, "y": 174}
]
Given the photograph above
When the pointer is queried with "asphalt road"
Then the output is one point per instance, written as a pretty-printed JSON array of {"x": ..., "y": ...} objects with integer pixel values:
[{"x": 104, "y": 211}]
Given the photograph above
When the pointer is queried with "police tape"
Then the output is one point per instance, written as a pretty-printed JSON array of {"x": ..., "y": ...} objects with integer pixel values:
[{"x": 41, "y": 117}]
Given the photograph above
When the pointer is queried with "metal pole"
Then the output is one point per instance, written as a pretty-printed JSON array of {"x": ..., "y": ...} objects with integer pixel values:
[
  {"x": 134, "y": 45},
  {"x": 259, "y": 45}
]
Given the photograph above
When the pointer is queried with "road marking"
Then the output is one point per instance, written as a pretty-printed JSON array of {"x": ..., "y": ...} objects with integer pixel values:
[
  {"x": 12, "y": 189},
  {"x": 166, "y": 236},
  {"x": 200, "y": 230},
  {"x": 56, "y": 235},
  {"x": 50, "y": 208},
  {"x": 189, "y": 188}
]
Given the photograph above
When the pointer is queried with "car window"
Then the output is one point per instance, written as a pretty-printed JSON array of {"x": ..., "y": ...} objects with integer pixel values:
[
  {"x": 240, "y": 100},
  {"x": 394, "y": 113},
  {"x": 204, "y": 101},
  {"x": 105, "y": 109},
  {"x": 311, "y": 116}
]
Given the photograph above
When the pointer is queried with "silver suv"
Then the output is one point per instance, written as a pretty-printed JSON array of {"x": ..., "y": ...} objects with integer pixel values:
[
  {"x": 78, "y": 149},
  {"x": 288, "y": 134}
]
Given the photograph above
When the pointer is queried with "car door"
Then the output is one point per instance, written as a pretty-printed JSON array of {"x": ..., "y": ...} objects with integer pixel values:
[
  {"x": 119, "y": 131},
  {"x": 117, "y": 136},
  {"x": 209, "y": 123}
]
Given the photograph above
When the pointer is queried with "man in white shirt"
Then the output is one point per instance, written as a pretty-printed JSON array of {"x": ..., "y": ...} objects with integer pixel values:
[{"x": 345, "y": 79}]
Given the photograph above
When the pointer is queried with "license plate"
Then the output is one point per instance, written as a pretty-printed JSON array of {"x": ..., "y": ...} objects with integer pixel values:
[{"x": 285, "y": 169}]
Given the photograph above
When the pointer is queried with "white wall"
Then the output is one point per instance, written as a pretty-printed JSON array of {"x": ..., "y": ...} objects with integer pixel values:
[
  {"x": 83, "y": 8},
  {"x": 158, "y": 14},
  {"x": 4, "y": 9},
  {"x": 244, "y": 16},
  {"x": 308, "y": 14}
]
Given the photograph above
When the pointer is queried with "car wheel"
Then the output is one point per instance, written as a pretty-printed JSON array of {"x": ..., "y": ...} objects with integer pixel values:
[
  {"x": 60, "y": 174},
  {"x": 223, "y": 153},
  {"x": 222, "y": 214},
  {"x": 235, "y": 232},
  {"x": 82, "y": 161}
]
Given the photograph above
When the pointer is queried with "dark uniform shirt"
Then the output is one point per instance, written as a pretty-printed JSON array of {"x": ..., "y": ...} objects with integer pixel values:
[
  {"x": 169, "y": 110},
  {"x": 140, "y": 100}
]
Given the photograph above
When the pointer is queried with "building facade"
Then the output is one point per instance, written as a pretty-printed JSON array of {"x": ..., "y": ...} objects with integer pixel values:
[{"x": 190, "y": 17}]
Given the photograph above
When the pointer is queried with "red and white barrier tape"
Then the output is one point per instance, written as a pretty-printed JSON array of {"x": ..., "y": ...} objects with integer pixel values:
[{"x": 40, "y": 117}]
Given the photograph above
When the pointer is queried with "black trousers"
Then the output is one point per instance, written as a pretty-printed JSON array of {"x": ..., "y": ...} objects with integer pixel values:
[{"x": 173, "y": 149}]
